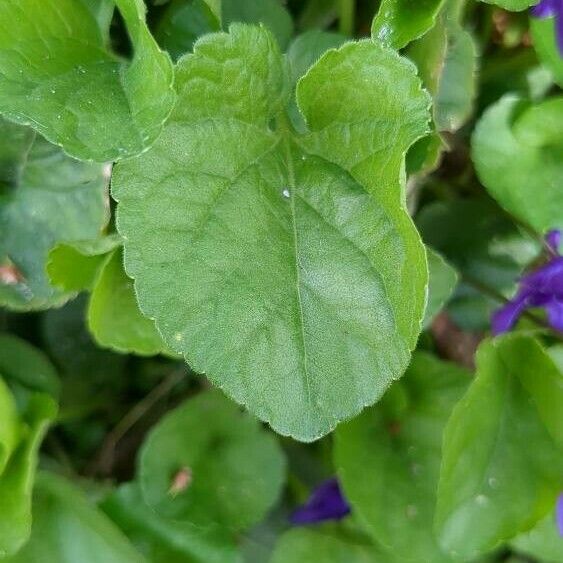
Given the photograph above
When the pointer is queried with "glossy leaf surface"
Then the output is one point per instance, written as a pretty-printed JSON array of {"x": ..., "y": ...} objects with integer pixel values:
[{"x": 57, "y": 76}]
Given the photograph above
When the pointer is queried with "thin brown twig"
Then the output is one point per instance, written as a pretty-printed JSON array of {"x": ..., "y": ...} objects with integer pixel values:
[{"x": 105, "y": 458}]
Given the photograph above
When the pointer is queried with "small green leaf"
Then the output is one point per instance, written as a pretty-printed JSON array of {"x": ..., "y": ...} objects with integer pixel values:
[
  {"x": 67, "y": 528},
  {"x": 167, "y": 541},
  {"x": 398, "y": 22},
  {"x": 542, "y": 543},
  {"x": 512, "y": 5},
  {"x": 545, "y": 44},
  {"x": 271, "y": 13},
  {"x": 501, "y": 469},
  {"x": 278, "y": 263},
  {"x": 442, "y": 281},
  {"x": 114, "y": 318},
  {"x": 57, "y": 76},
  {"x": 9, "y": 424},
  {"x": 27, "y": 366},
  {"x": 516, "y": 148},
  {"x": 327, "y": 544},
  {"x": 447, "y": 60},
  {"x": 16, "y": 482},
  {"x": 457, "y": 86},
  {"x": 184, "y": 22},
  {"x": 388, "y": 459},
  {"x": 208, "y": 463},
  {"x": 45, "y": 198},
  {"x": 73, "y": 266}
]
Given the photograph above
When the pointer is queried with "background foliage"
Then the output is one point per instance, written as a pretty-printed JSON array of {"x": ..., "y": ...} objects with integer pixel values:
[{"x": 249, "y": 245}]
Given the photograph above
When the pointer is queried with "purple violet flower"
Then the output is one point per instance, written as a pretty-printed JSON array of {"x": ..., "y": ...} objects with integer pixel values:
[
  {"x": 552, "y": 8},
  {"x": 541, "y": 288},
  {"x": 325, "y": 503},
  {"x": 559, "y": 514}
]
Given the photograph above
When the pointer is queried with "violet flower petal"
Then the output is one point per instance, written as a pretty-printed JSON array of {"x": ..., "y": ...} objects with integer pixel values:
[
  {"x": 326, "y": 503},
  {"x": 554, "y": 311},
  {"x": 505, "y": 318},
  {"x": 559, "y": 28},
  {"x": 553, "y": 239},
  {"x": 559, "y": 514},
  {"x": 547, "y": 280},
  {"x": 544, "y": 9}
]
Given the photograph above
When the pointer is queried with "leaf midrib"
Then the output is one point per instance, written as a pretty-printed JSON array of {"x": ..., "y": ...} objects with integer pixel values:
[{"x": 284, "y": 126}]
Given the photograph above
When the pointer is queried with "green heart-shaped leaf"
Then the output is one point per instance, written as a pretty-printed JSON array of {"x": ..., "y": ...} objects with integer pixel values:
[
  {"x": 502, "y": 467},
  {"x": 278, "y": 263},
  {"x": 57, "y": 76},
  {"x": 209, "y": 463}
]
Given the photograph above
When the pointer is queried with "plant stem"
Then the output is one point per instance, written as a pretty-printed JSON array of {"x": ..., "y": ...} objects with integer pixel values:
[
  {"x": 104, "y": 459},
  {"x": 347, "y": 17}
]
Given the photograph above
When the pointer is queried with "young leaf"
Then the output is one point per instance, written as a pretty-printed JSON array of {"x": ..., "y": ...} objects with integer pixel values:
[
  {"x": 545, "y": 44},
  {"x": 114, "y": 318},
  {"x": 25, "y": 365},
  {"x": 516, "y": 148},
  {"x": 442, "y": 282},
  {"x": 47, "y": 197},
  {"x": 167, "y": 541},
  {"x": 68, "y": 529},
  {"x": 208, "y": 463},
  {"x": 501, "y": 469},
  {"x": 271, "y": 13},
  {"x": 17, "y": 479},
  {"x": 74, "y": 266},
  {"x": 447, "y": 59},
  {"x": 398, "y": 22},
  {"x": 57, "y": 76},
  {"x": 328, "y": 544},
  {"x": 278, "y": 264},
  {"x": 388, "y": 459}
]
